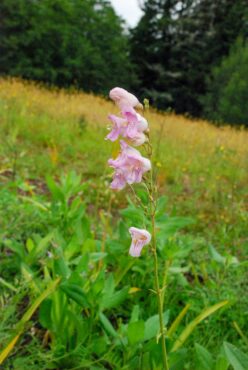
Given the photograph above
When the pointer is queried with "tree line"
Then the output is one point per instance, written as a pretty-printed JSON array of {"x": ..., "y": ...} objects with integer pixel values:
[{"x": 189, "y": 56}]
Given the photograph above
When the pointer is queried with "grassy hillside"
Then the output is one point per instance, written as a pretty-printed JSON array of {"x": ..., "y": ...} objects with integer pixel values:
[
  {"x": 202, "y": 171},
  {"x": 201, "y": 168}
]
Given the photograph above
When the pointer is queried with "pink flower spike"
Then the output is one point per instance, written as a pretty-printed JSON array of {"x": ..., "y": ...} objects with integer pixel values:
[
  {"x": 123, "y": 98},
  {"x": 140, "y": 238}
]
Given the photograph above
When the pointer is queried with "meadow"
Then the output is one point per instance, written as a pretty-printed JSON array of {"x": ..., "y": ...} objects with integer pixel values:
[{"x": 70, "y": 296}]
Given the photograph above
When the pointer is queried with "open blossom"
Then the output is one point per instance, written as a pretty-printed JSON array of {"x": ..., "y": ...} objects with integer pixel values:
[
  {"x": 123, "y": 98},
  {"x": 129, "y": 167},
  {"x": 119, "y": 127},
  {"x": 131, "y": 127},
  {"x": 140, "y": 238}
]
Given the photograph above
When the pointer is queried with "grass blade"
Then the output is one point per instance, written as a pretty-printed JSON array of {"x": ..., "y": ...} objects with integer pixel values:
[
  {"x": 177, "y": 321},
  {"x": 191, "y": 326},
  {"x": 26, "y": 317}
]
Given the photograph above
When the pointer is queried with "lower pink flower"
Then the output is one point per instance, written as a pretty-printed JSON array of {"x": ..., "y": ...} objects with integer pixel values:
[
  {"x": 129, "y": 167},
  {"x": 140, "y": 238}
]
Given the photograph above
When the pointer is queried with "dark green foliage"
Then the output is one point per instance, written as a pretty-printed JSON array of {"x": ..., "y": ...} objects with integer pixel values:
[
  {"x": 177, "y": 42},
  {"x": 64, "y": 42},
  {"x": 227, "y": 98}
]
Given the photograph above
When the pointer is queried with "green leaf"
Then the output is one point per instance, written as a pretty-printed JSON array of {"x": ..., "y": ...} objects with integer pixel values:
[
  {"x": 177, "y": 321},
  {"x": 191, "y": 326},
  {"x": 113, "y": 300},
  {"x": 216, "y": 256},
  {"x": 98, "y": 256},
  {"x": 54, "y": 189},
  {"x": 205, "y": 359},
  {"x": 224, "y": 260},
  {"x": 16, "y": 247},
  {"x": 152, "y": 325},
  {"x": 109, "y": 285},
  {"x": 61, "y": 268},
  {"x": 45, "y": 314},
  {"x": 136, "y": 331},
  {"x": 237, "y": 358},
  {"x": 29, "y": 245},
  {"x": 8, "y": 285},
  {"x": 135, "y": 313},
  {"x": 83, "y": 232},
  {"x": 42, "y": 246},
  {"x": 29, "y": 277},
  {"x": 26, "y": 317},
  {"x": 221, "y": 362},
  {"x": 168, "y": 226},
  {"x": 177, "y": 359},
  {"x": 107, "y": 325},
  {"x": 76, "y": 293},
  {"x": 72, "y": 249},
  {"x": 161, "y": 206},
  {"x": 134, "y": 214}
]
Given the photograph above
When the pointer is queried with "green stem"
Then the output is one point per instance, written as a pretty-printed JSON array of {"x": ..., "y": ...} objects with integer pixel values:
[{"x": 154, "y": 250}]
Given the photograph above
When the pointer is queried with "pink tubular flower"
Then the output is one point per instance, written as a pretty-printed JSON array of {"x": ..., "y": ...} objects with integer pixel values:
[
  {"x": 119, "y": 181},
  {"x": 118, "y": 128},
  {"x": 140, "y": 238},
  {"x": 123, "y": 98},
  {"x": 136, "y": 127},
  {"x": 131, "y": 127},
  {"x": 129, "y": 166}
]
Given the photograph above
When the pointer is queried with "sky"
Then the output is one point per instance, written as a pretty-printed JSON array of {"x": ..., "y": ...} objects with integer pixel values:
[{"x": 128, "y": 9}]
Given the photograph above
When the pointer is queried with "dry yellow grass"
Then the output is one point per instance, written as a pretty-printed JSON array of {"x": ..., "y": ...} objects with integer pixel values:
[{"x": 61, "y": 104}]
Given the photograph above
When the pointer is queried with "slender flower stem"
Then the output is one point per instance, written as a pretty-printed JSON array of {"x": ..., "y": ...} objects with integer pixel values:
[{"x": 152, "y": 197}]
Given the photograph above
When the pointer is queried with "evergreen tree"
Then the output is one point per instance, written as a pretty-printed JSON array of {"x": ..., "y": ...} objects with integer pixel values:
[
  {"x": 64, "y": 42},
  {"x": 226, "y": 100},
  {"x": 176, "y": 43}
]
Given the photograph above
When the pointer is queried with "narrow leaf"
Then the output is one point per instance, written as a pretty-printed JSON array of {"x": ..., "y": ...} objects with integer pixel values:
[
  {"x": 191, "y": 326},
  {"x": 177, "y": 321},
  {"x": 26, "y": 317},
  {"x": 107, "y": 325}
]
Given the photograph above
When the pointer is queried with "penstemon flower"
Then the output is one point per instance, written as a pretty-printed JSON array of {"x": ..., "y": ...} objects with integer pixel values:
[
  {"x": 140, "y": 238},
  {"x": 129, "y": 165},
  {"x": 119, "y": 127},
  {"x": 123, "y": 98},
  {"x": 131, "y": 127}
]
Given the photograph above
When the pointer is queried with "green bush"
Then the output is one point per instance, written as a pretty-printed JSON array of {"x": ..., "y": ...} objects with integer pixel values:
[{"x": 227, "y": 98}]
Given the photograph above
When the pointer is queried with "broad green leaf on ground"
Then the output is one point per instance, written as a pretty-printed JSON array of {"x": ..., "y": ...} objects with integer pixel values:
[
  {"x": 152, "y": 325},
  {"x": 205, "y": 360},
  {"x": 237, "y": 358},
  {"x": 136, "y": 331}
]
